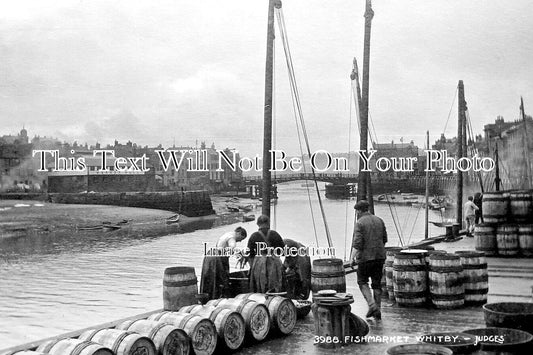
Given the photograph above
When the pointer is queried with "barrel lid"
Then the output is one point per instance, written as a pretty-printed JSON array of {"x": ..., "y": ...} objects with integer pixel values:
[
  {"x": 327, "y": 292},
  {"x": 414, "y": 251},
  {"x": 467, "y": 253},
  {"x": 179, "y": 270},
  {"x": 444, "y": 257},
  {"x": 330, "y": 261}
]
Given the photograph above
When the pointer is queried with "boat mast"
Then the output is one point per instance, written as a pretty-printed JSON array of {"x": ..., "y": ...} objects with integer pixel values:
[
  {"x": 267, "y": 128},
  {"x": 364, "y": 176},
  {"x": 526, "y": 144},
  {"x": 426, "y": 231},
  {"x": 460, "y": 129}
]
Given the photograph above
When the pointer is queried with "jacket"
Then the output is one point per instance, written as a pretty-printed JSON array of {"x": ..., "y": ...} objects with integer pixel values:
[{"x": 369, "y": 238}]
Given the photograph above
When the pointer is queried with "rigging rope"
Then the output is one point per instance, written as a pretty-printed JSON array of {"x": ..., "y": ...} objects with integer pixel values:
[
  {"x": 295, "y": 93},
  {"x": 394, "y": 220},
  {"x": 346, "y": 208},
  {"x": 451, "y": 108},
  {"x": 273, "y": 203}
]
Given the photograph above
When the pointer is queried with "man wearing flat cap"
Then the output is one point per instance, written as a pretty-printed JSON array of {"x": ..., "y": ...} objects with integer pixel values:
[{"x": 369, "y": 241}]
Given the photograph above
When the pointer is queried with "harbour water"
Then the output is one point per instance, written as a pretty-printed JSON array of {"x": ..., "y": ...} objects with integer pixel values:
[{"x": 50, "y": 286}]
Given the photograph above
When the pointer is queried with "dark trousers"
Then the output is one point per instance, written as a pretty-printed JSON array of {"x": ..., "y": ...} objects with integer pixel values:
[{"x": 373, "y": 270}]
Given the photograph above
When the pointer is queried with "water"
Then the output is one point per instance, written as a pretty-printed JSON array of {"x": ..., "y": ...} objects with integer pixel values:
[{"x": 54, "y": 285}]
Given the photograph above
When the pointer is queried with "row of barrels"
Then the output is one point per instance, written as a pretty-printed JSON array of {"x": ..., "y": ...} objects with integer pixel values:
[
  {"x": 504, "y": 239},
  {"x": 415, "y": 278},
  {"x": 507, "y": 206},
  {"x": 222, "y": 325}
]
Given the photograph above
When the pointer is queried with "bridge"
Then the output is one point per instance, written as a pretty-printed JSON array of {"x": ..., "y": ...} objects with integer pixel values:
[{"x": 337, "y": 178}]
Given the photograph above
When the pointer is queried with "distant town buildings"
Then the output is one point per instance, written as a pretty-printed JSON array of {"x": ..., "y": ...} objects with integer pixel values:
[{"x": 19, "y": 169}]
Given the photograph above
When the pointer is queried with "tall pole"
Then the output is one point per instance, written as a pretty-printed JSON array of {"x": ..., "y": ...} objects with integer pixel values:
[
  {"x": 526, "y": 144},
  {"x": 355, "y": 77},
  {"x": 426, "y": 231},
  {"x": 267, "y": 129},
  {"x": 497, "y": 179},
  {"x": 363, "y": 175},
  {"x": 461, "y": 117}
]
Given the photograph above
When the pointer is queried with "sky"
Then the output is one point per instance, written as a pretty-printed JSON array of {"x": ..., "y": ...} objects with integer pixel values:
[{"x": 165, "y": 72}]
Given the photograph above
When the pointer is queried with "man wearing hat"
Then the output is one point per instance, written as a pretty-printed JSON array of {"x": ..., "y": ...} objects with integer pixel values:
[{"x": 369, "y": 241}]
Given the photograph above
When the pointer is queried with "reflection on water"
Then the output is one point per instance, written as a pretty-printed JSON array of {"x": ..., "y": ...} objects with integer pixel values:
[{"x": 51, "y": 285}]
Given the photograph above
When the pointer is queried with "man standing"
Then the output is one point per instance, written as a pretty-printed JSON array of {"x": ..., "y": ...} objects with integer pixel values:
[
  {"x": 470, "y": 215},
  {"x": 266, "y": 269},
  {"x": 478, "y": 201},
  {"x": 369, "y": 241},
  {"x": 215, "y": 268}
]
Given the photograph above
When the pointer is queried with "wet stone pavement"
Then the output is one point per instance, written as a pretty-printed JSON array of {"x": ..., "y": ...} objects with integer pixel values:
[{"x": 402, "y": 323}]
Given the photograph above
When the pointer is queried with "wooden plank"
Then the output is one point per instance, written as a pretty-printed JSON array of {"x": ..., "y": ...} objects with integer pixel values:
[{"x": 34, "y": 344}]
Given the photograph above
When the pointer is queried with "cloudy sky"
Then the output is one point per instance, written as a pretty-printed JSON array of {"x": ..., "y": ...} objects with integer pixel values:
[{"x": 185, "y": 71}]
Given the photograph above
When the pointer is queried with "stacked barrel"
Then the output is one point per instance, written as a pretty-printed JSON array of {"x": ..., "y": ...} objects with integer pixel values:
[
  {"x": 434, "y": 277},
  {"x": 507, "y": 229}
]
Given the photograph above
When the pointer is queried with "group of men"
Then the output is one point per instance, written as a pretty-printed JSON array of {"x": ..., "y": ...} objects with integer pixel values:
[{"x": 268, "y": 274}]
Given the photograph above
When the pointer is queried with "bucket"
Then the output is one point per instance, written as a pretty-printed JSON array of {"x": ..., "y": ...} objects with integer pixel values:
[
  {"x": 255, "y": 314},
  {"x": 517, "y": 315},
  {"x": 120, "y": 342},
  {"x": 73, "y": 346},
  {"x": 201, "y": 330},
  {"x": 168, "y": 340},
  {"x": 525, "y": 239},
  {"x": 507, "y": 240},
  {"x": 521, "y": 204},
  {"x": 476, "y": 278},
  {"x": 179, "y": 287},
  {"x": 328, "y": 274},
  {"x": 389, "y": 262},
  {"x": 419, "y": 349},
  {"x": 495, "y": 207},
  {"x": 238, "y": 283},
  {"x": 446, "y": 281},
  {"x": 282, "y": 311},
  {"x": 485, "y": 239},
  {"x": 409, "y": 277}
]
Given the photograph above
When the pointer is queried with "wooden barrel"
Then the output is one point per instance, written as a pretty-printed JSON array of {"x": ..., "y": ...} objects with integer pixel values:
[
  {"x": 476, "y": 278},
  {"x": 391, "y": 252},
  {"x": 485, "y": 239},
  {"x": 229, "y": 324},
  {"x": 495, "y": 207},
  {"x": 446, "y": 281},
  {"x": 525, "y": 239},
  {"x": 179, "y": 287},
  {"x": 168, "y": 340},
  {"x": 73, "y": 347},
  {"x": 521, "y": 205},
  {"x": 255, "y": 314},
  {"x": 434, "y": 252},
  {"x": 282, "y": 311},
  {"x": 409, "y": 277},
  {"x": 201, "y": 330},
  {"x": 328, "y": 274},
  {"x": 507, "y": 239},
  {"x": 121, "y": 342}
]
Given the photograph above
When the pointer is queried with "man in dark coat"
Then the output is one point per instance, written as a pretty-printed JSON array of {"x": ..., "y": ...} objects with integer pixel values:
[
  {"x": 297, "y": 271},
  {"x": 266, "y": 270},
  {"x": 369, "y": 241}
]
